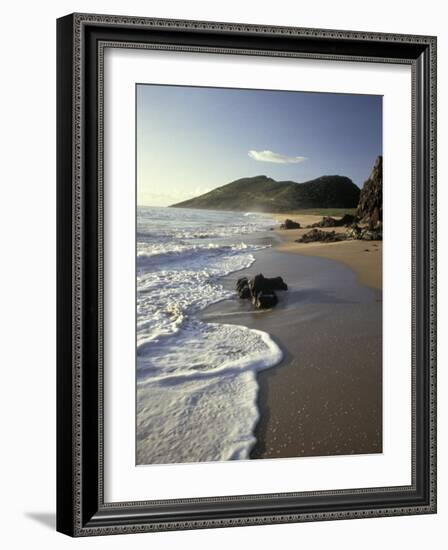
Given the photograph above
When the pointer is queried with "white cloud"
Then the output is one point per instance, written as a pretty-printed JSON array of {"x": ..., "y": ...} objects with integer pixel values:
[{"x": 269, "y": 156}]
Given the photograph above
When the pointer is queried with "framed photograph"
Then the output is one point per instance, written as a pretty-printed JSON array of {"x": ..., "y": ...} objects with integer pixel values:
[{"x": 246, "y": 274}]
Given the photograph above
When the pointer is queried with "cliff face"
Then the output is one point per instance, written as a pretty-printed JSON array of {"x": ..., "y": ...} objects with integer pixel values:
[
  {"x": 263, "y": 194},
  {"x": 370, "y": 207}
]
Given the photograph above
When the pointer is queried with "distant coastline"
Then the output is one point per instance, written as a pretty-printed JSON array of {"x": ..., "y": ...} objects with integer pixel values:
[{"x": 263, "y": 194}]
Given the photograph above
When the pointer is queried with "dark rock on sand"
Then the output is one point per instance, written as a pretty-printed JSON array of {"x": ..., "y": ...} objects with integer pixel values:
[
  {"x": 375, "y": 234},
  {"x": 370, "y": 206},
  {"x": 365, "y": 233},
  {"x": 265, "y": 300},
  {"x": 328, "y": 221},
  {"x": 290, "y": 224},
  {"x": 346, "y": 220},
  {"x": 260, "y": 283},
  {"x": 260, "y": 290},
  {"x": 315, "y": 235},
  {"x": 243, "y": 289}
]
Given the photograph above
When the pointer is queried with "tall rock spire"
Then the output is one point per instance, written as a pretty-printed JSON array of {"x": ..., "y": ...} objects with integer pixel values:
[{"x": 370, "y": 206}]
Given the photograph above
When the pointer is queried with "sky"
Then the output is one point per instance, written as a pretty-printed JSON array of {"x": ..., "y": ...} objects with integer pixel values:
[{"x": 191, "y": 140}]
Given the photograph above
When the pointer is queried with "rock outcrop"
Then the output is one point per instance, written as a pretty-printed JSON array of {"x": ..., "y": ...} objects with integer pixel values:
[
  {"x": 316, "y": 235},
  {"x": 365, "y": 233},
  {"x": 370, "y": 206},
  {"x": 328, "y": 221},
  {"x": 290, "y": 224},
  {"x": 260, "y": 290}
]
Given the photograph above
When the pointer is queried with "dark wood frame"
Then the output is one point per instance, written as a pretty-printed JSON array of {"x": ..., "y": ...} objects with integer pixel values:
[{"x": 81, "y": 39}]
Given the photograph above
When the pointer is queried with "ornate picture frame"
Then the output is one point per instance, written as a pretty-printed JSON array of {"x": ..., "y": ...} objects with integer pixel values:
[{"x": 81, "y": 506}]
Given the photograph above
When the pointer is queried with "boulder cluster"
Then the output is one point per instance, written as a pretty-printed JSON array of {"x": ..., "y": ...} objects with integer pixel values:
[
  {"x": 365, "y": 233},
  {"x": 289, "y": 224},
  {"x": 354, "y": 232},
  {"x": 366, "y": 225},
  {"x": 316, "y": 235},
  {"x": 260, "y": 290},
  {"x": 328, "y": 221}
]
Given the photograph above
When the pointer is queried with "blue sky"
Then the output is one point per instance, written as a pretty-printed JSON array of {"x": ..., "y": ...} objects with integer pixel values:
[{"x": 191, "y": 140}]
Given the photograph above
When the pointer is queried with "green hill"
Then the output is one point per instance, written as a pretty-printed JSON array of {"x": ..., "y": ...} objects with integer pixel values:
[{"x": 263, "y": 194}]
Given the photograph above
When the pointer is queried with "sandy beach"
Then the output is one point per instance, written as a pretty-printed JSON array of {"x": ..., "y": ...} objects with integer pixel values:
[
  {"x": 363, "y": 257},
  {"x": 325, "y": 397}
]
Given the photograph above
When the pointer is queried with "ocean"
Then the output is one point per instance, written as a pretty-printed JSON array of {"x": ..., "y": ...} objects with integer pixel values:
[{"x": 196, "y": 381}]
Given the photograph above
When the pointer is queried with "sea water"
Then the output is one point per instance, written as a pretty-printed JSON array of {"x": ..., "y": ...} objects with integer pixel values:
[{"x": 196, "y": 381}]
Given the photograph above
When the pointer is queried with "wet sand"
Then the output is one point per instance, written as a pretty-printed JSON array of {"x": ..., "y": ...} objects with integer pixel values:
[{"x": 325, "y": 397}]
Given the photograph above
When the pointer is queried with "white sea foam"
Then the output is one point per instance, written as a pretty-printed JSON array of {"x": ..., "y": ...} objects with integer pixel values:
[{"x": 196, "y": 382}]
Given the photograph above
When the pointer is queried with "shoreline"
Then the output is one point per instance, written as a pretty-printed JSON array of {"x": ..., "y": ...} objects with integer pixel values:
[{"x": 325, "y": 396}]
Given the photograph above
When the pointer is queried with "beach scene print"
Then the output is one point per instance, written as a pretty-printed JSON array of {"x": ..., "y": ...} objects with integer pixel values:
[{"x": 259, "y": 227}]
